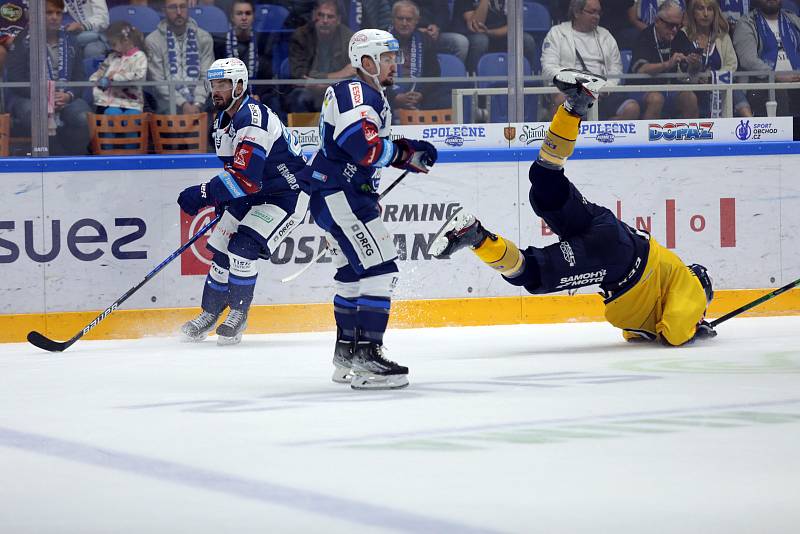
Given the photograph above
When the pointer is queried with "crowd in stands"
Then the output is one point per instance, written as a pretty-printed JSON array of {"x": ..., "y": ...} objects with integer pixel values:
[{"x": 691, "y": 41}]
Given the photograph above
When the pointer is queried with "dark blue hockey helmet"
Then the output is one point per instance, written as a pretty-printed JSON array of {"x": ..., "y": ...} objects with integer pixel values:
[{"x": 705, "y": 280}]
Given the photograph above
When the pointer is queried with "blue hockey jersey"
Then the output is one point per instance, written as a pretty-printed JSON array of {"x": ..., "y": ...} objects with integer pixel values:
[
  {"x": 354, "y": 129},
  {"x": 259, "y": 155}
]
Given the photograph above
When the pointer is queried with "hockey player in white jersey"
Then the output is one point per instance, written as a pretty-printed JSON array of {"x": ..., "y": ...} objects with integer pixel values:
[
  {"x": 261, "y": 197},
  {"x": 344, "y": 175}
]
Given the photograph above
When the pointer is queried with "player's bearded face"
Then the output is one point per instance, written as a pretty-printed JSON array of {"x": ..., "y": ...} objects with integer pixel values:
[
  {"x": 388, "y": 67},
  {"x": 221, "y": 94}
]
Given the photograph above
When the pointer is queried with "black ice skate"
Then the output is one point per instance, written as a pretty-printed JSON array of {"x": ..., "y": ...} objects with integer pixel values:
[
  {"x": 581, "y": 87},
  {"x": 342, "y": 362},
  {"x": 198, "y": 328},
  {"x": 372, "y": 371},
  {"x": 461, "y": 230},
  {"x": 230, "y": 331}
]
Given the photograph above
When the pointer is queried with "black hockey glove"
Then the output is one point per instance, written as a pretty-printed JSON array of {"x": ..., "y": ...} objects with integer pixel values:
[
  {"x": 704, "y": 330},
  {"x": 194, "y": 198},
  {"x": 414, "y": 155}
]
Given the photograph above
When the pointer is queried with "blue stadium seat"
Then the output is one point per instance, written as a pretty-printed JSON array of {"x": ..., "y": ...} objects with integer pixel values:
[
  {"x": 451, "y": 66},
  {"x": 626, "y": 56},
  {"x": 284, "y": 73},
  {"x": 211, "y": 18},
  {"x": 144, "y": 18},
  {"x": 270, "y": 18},
  {"x": 496, "y": 64},
  {"x": 535, "y": 18},
  {"x": 790, "y": 5}
]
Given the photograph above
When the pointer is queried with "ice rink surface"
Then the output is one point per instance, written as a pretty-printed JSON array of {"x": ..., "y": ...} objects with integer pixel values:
[{"x": 525, "y": 429}]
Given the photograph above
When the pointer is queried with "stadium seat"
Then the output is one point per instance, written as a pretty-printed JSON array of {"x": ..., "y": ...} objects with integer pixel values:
[
  {"x": 284, "y": 72},
  {"x": 451, "y": 66},
  {"x": 626, "y": 56},
  {"x": 425, "y": 116},
  {"x": 180, "y": 134},
  {"x": 496, "y": 64},
  {"x": 791, "y": 6},
  {"x": 113, "y": 135},
  {"x": 144, "y": 18},
  {"x": 5, "y": 133},
  {"x": 536, "y": 18},
  {"x": 302, "y": 119},
  {"x": 270, "y": 18},
  {"x": 211, "y": 18}
]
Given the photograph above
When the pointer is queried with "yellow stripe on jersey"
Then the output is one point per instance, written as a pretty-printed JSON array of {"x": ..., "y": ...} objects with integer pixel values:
[{"x": 667, "y": 301}]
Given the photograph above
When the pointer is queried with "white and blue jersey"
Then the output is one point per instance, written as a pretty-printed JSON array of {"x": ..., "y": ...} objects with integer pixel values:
[
  {"x": 259, "y": 155},
  {"x": 355, "y": 123}
]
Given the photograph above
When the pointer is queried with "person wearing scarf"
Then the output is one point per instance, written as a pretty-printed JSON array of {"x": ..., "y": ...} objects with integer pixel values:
[
  {"x": 768, "y": 39},
  {"x": 179, "y": 49},
  {"x": 419, "y": 60},
  {"x": 643, "y": 12},
  {"x": 69, "y": 126},
  {"x": 253, "y": 49},
  {"x": 90, "y": 19}
]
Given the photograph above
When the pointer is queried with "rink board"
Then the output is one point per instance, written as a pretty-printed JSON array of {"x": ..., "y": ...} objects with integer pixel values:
[{"x": 78, "y": 233}]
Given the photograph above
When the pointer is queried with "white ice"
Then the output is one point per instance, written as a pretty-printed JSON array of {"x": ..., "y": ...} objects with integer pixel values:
[{"x": 528, "y": 428}]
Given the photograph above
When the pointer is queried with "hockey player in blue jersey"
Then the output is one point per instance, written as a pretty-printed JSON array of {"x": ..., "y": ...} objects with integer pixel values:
[
  {"x": 344, "y": 175},
  {"x": 262, "y": 199}
]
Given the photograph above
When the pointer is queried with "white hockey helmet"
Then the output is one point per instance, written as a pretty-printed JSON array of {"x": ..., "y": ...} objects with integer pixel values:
[
  {"x": 229, "y": 68},
  {"x": 372, "y": 43}
]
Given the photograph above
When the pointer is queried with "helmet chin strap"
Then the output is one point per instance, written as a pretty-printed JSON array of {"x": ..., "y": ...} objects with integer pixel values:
[
  {"x": 375, "y": 77},
  {"x": 235, "y": 99}
]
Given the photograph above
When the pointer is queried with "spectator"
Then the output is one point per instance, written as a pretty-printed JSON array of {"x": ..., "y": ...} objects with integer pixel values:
[
  {"x": 419, "y": 60},
  {"x": 768, "y": 39},
  {"x": 582, "y": 44},
  {"x": 13, "y": 20},
  {"x": 663, "y": 48},
  {"x": 433, "y": 18},
  {"x": 616, "y": 20},
  {"x": 707, "y": 29},
  {"x": 69, "y": 130},
  {"x": 90, "y": 20},
  {"x": 244, "y": 43},
  {"x": 318, "y": 50},
  {"x": 127, "y": 62},
  {"x": 486, "y": 25},
  {"x": 368, "y": 14},
  {"x": 179, "y": 50},
  {"x": 644, "y": 12}
]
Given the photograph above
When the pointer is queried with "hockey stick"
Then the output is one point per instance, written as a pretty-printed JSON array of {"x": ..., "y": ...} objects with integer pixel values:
[
  {"x": 325, "y": 250},
  {"x": 755, "y": 303},
  {"x": 48, "y": 344}
]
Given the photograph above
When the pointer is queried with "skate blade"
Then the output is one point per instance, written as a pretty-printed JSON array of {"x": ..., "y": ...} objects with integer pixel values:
[
  {"x": 185, "y": 338},
  {"x": 225, "y": 341},
  {"x": 379, "y": 382},
  {"x": 342, "y": 375}
]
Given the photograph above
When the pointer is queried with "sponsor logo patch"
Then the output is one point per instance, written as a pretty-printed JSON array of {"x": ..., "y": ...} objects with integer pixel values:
[
  {"x": 370, "y": 132},
  {"x": 242, "y": 158},
  {"x": 255, "y": 114},
  {"x": 356, "y": 94}
]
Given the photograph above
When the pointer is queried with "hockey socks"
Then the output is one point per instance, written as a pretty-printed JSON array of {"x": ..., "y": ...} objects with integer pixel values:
[
  {"x": 215, "y": 290},
  {"x": 559, "y": 143},
  {"x": 501, "y": 255},
  {"x": 372, "y": 318},
  {"x": 344, "y": 311}
]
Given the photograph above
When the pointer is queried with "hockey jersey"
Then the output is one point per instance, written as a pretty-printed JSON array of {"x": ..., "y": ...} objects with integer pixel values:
[
  {"x": 259, "y": 155},
  {"x": 354, "y": 129},
  {"x": 666, "y": 302}
]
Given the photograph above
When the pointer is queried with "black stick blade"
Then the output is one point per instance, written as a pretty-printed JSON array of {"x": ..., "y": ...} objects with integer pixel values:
[{"x": 44, "y": 343}]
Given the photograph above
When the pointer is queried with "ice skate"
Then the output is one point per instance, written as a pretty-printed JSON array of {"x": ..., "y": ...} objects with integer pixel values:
[
  {"x": 230, "y": 331},
  {"x": 581, "y": 87},
  {"x": 342, "y": 362},
  {"x": 460, "y": 231},
  {"x": 198, "y": 328},
  {"x": 371, "y": 370}
]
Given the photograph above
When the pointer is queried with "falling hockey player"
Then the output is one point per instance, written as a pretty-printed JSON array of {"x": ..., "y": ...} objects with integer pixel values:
[
  {"x": 344, "y": 174},
  {"x": 649, "y": 293},
  {"x": 262, "y": 199}
]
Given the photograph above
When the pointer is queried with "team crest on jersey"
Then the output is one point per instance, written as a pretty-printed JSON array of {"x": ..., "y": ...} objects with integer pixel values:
[
  {"x": 370, "y": 132},
  {"x": 255, "y": 113},
  {"x": 356, "y": 94},
  {"x": 242, "y": 158}
]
